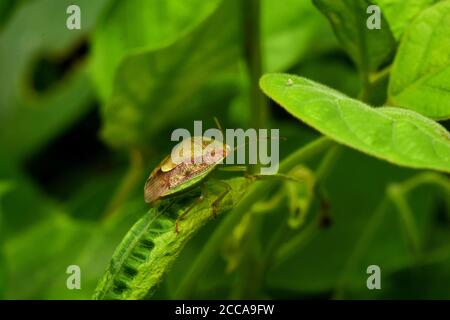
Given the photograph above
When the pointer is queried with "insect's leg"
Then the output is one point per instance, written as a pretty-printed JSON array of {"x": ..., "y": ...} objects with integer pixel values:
[
  {"x": 216, "y": 203},
  {"x": 276, "y": 176},
  {"x": 233, "y": 168},
  {"x": 184, "y": 214},
  {"x": 259, "y": 176},
  {"x": 171, "y": 203}
]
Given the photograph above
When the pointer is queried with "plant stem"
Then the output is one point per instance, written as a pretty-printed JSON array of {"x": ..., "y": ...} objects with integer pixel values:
[
  {"x": 398, "y": 198},
  {"x": 327, "y": 163},
  {"x": 431, "y": 178},
  {"x": 295, "y": 244},
  {"x": 365, "y": 88},
  {"x": 360, "y": 247},
  {"x": 400, "y": 191},
  {"x": 252, "y": 48},
  {"x": 248, "y": 282},
  {"x": 257, "y": 192},
  {"x": 370, "y": 80},
  {"x": 132, "y": 176},
  {"x": 251, "y": 12},
  {"x": 380, "y": 75}
]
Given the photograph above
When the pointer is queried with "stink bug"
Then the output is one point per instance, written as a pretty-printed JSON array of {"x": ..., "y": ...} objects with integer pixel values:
[
  {"x": 190, "y": 162},
  {"x": 171, "y": 178}
]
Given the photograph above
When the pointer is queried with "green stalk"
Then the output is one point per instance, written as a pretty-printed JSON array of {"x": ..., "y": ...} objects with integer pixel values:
[
  {"x": 395, "y": 194},
  {"x": 257, "y": 192},
  {"x": 250, "y": 10},
  {"x": 252, "y": 49},
  {"x": 360, "y": 247},
  {"x": 127, "y": 184},
  {"x": 398, "y": 198},
  {"x": 398, "y": 193}
]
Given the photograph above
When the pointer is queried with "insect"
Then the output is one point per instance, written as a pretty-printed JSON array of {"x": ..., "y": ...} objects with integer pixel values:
[
  {"x": 196, "y": 158},
  {"x": 188, "y": 166}
]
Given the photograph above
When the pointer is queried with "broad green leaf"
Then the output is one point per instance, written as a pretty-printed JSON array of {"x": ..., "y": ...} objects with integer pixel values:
[
  {"x": 397, "y": 135},
  {"x": 284, "y": 39},
  {"x": 38, "y": 255},
  {"x": 38, "y": 258},
  {"x": 155, "y": 88},
  {"x": 400, "y": 13},
  {"x": 369, "y": 49},
  {"x": 134, "y": 26},
  {"x": 34, "y": 122},
  {"x": 99, "y": 246},
  {"x": 25, "y": 204},
  {"x": 151, "y": 245},
  {"x": 420, "y": 78},
  {"x": 37, "y": 29}
]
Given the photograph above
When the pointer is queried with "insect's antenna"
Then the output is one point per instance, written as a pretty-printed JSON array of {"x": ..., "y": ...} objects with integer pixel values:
[
  {"x": 219, "y": 126},
  {"x": 273, "y": 138},
  {"x": 266, "y": 138}
]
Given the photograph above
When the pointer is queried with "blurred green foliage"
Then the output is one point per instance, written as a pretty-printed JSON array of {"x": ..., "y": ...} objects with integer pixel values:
[{"x": 86, "y": 114}]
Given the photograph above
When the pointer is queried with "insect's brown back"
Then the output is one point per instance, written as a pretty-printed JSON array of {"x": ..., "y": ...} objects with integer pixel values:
[
  {"x": 155, "y": 186},
  {"x": 168, "y": 176}
]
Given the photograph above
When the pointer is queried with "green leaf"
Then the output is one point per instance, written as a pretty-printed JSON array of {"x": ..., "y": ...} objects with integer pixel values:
[
  {"x": 400, "y": 13},
  {"x": 152, "y": 245},
  {"x": 397, "y": 135},
  {"x": 284, "y": 39},
  {"x": 136, "y": 26},
  {"x": 155, "y": 88},
  {"x": 369, "y": 49},
  {"x": 38, "y": 258},
  {"x": 34, "y": 122},
  {"x": 420, "y": 78},
  {"x": 25, "y": 204},
  {"x": 99, "y": 246},
  {"x": 37, "y": 29},
  {"x": 42, "y": 253}
]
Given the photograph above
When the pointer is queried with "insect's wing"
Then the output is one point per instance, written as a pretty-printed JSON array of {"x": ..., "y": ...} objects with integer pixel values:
[
  {"x": 198, "y": 156},
  {"x": 156, "y": 186},
  {"x": 184, "y": 152}
]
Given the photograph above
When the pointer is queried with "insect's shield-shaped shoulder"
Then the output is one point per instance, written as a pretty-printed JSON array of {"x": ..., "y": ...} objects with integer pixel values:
[
  {"x": 198, "y": 149},
  {"x": 187, "y": 151}
]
